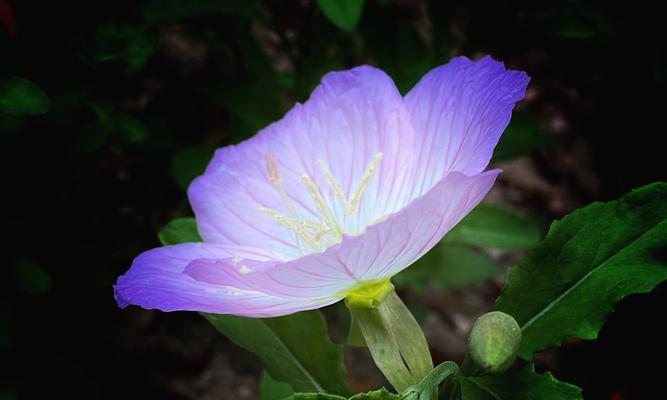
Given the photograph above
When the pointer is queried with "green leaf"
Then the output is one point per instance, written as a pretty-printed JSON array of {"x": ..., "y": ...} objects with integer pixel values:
[
  {"x": 190, "y": 162},
  {"x": 294, "y": 349},
  {"x": 380, "y": 394},
  {"x": 424, "y": 389},
  {"x": 271, "y": 389},
  {"x": 20, "y": 97},
  {"x": 521, "y": 137},
  {"x": 448, "y": 265},
  {"x": 179, "y": 230},
  {"x": 345, "y": 14},
  {"x": 591, "y": 259},
  {"x": 497, "y": 227},
  {"x": 518, "y": 385}
]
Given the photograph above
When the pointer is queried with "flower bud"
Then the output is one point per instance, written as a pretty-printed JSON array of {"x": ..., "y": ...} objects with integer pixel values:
[{"x": 494, "y": 341}]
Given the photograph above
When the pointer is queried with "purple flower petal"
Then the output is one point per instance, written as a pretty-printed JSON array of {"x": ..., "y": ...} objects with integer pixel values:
[
  {"x": 384, "y": 250},
  {"x": 351, "y": 119},
  {"x": 459, "y": 111},
  {"x": 352, "y": 186},
  {"x": 156, "y": 280}
]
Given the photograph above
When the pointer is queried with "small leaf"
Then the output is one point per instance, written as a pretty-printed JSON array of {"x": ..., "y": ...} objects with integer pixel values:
[
  {"x": 518, "y": 385},
  {"x": 271, "y": 389},
  {"x": 448, "y": 265},
  {"x": 345, "y": 14},
  {"x": 190, "y": 162},
  {"x": 179, "y": 230},
  {"x": 497, "y": 227},
  {"x": 20, "y": 97},
  {"x": 294, "y": 349},
  {"x": 590, "y": 260}
]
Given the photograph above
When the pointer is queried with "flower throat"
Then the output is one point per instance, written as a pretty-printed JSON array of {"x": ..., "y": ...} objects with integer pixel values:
[{"x": 313, "y": 235}]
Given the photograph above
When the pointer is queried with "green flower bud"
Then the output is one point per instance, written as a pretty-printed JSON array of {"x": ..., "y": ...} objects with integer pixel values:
[{"x": 494, "y": 341}]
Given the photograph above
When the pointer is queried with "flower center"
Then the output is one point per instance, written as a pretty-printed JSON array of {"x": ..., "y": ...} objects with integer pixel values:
[{"x": 316, "y": 234}]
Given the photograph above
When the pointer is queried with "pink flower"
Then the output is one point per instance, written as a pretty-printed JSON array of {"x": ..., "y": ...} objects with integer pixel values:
[{"x": 346, "y": 190}]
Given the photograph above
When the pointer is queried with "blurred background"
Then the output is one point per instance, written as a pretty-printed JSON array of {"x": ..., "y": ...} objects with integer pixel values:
[{"x": 109, "y": 108}]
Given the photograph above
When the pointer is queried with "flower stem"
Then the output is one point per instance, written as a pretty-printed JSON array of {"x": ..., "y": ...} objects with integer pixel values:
[{"x": 394, "y": 338}]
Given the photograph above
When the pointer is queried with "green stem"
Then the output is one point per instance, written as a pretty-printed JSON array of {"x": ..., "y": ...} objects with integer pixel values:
[{"x": 394, "y": 338}]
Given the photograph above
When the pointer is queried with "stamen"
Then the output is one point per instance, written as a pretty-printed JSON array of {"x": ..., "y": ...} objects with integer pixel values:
[
  {"x": 322, "y": 207},
  {"x": 295, "y": 225},
  {"x": 273, "y": 173},
  {"x": 365, "y": 180},
  {"x": 335, "y": 186},
  {"x": 316, "y": 234}
]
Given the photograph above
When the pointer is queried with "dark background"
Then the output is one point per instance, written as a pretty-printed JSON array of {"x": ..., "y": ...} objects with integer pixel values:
[{"x": 141, "y": 92}]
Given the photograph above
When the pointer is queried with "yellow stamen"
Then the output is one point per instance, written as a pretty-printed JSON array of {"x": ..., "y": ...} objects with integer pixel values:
[
  {"x": 295, "y": 225},
  {"x": 322, "y": 207},
  {"x": 335, "y": 186},
  {"x": 273, "y": 173},
  {"x": 364, "y": 181}
]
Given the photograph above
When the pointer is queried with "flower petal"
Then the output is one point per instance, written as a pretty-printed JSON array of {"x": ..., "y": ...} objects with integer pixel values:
[
  {"x": 382, "y": 251},
  {"x": 349, "y": 119},
  {"x": 156, "y": 280},
  {"x": 459, "y": 111}
]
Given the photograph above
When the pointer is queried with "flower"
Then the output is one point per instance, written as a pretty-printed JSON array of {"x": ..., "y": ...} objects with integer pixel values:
[{"x": 345, "y": 191}]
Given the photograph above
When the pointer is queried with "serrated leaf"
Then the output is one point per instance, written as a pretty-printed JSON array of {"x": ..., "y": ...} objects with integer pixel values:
[
  {"x": 20, "y": 97},
  {"x": 591, "y": 259},
  {"x": 294, "y": 349},
  {"x": 448, "y": 265},
  {"x": 518, "y": 385},
  {"x": 190, "y": 162},
  {"x": 179, "y": 230},
  {"x": 271, "y": 389},
  {"x": 497, "y": 227},
  {"x": 345, "y": 14}
]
